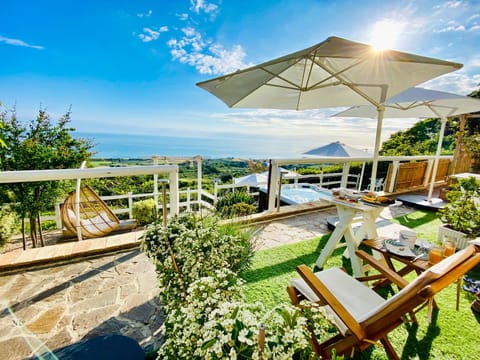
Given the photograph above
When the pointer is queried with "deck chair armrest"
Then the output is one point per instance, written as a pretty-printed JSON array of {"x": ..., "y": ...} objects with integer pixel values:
[
  {"x": 384, "y": 270},
  {"x": 328, "y": 298},
  {"x": 453, "y": 275}
]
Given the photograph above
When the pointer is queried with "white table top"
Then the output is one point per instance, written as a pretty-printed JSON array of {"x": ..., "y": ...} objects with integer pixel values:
[{"x": 360, "y": 206}]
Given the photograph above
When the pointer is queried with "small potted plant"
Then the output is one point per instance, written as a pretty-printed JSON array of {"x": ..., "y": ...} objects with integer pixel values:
[{"x": 461, "y": 215}]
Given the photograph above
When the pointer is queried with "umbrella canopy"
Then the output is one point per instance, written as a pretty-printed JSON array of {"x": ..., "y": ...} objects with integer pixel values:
[
  {"x": 335, "y": 72},
  {"x": 252, "y": 179},
  {"x": 336, "y": 149},
  {"x": 421, "y": 103},
  {"x": 285, "y": 173},
  {"x": 418, "y": 102}
]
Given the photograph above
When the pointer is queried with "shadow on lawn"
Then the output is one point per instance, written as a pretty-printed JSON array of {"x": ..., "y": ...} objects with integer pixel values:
[
  {"x": 287, "y": 266},
  {"x": 413, "y": 347},
  {"x": 420, "y": 347},
  {"x": 412, "y": 220}
]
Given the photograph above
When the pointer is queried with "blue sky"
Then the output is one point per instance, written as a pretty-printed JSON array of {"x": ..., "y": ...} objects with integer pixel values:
[{"x": 131, "y": 66}]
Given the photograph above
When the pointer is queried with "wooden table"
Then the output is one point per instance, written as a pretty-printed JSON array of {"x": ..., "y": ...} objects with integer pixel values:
[
  {"x": 347, "y": 213},
  {"x": 417, "y": 265}
]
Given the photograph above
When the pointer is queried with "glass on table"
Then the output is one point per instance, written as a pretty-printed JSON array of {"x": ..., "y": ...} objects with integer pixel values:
[
  {"x": 435, "y": 255},
  {"x": 449, "y": 247}
]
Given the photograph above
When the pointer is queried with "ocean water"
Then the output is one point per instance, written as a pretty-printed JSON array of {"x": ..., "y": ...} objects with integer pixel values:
[{"x": 124, "y": 146}]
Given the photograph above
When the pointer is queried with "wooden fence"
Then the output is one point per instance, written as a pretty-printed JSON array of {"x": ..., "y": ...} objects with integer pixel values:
[{"x": 413, "y": 174}]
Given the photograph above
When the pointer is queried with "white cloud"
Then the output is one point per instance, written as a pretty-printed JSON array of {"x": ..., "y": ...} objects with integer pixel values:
[
  {"x": 150, "y": 34},
  {"x": 189, "y": 47},
  {"x": 474, "y": 62},
  {"x": 454, "y": 17},
  {"x": 200, "y": 5},
  {"x": 310, "y": 126},
  {"x": 452, "y": 28},
  {"x": 147, "y": 14},
  {"x": 18, "y": 42},
  {"x": 206, "y": 57},
  {"x": 473, "y": 17},
  {"x": 455, "y": 4},
  {"x": 183, "y": 17},
  {"x": 458, "y": 82}
]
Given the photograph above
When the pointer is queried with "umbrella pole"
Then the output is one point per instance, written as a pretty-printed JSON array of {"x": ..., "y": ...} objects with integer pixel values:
[
  {"x": 359, "y": 187},
  {"x": 381, "y": 110},
  {"x": 437, "y": 157}
]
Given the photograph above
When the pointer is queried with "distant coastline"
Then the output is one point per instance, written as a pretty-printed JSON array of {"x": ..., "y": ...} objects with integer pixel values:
[{"x": 134, "y": 146}]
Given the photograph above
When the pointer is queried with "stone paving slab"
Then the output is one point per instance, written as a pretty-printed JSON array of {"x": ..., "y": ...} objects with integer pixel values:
[
  {"x": 75, "y": 249},
  {"x": 61, "y": 305}
]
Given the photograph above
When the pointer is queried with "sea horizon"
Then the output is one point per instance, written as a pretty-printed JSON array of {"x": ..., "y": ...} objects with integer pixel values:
[{"x": 140, "y": 146}]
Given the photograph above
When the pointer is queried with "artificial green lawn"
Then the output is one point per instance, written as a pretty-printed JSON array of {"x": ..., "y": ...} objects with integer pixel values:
[{"x": 452, "y": 334}]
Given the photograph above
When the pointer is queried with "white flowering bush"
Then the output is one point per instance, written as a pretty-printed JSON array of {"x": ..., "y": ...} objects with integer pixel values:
[
  {"x": 189, "y": 248},
  {"x": 216, "y": 323},
  {"x": 207, "y": 317}
]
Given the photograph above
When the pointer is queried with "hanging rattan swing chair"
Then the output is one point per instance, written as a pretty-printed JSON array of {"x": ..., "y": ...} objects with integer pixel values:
[{"x": 96, "y": 218}]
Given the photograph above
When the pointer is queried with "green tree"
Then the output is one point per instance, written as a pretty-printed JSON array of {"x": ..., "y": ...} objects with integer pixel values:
[
  {"x": 38, "y": 145},
  {"x": 421, "y": 139},
  {"x": 2, "y": 143}
]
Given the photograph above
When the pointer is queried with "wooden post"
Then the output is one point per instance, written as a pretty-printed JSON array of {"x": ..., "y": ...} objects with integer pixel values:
[
  {"x": 279, "y": 191},
  {"x": 261, "y": 339},
  {"x": 461, "y": 157},
  {"x": 164, "y": 203}
]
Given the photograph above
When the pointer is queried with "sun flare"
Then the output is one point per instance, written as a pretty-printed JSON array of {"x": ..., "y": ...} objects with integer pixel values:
[{"x": 385, "y": 34}]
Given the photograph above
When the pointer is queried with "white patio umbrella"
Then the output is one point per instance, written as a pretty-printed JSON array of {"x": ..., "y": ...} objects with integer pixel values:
[
  {"x": 421, "y": 103},
  {"x": 338, "y": 149},
  {"x": 335, "y": 72},
  {"x": 285, "y": 173},
  {"x": 252, "y": 179}
]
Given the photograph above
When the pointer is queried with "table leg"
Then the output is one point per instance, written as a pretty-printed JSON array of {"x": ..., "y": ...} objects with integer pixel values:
[
  {"x": 368, "y": 227},
  {"x": 352, "y": 247},
  {"x": 346, "y": 216}
]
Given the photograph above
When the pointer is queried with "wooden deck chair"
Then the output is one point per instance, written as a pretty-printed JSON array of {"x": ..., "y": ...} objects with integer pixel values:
[
  {"x": 362, "y": 316},
  {"x": 96, "y": 218}
]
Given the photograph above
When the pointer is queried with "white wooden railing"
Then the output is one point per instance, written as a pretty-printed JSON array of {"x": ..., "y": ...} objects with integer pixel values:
[
  {"x": 89, "y": 173},
  {"x": 346, "y": 161},
  {"x": 200, "y": 198}
]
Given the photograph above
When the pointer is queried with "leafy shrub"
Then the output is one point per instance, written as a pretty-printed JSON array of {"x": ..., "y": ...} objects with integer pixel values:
[
  {"x": 237, "y": 203},
  {"x": 145, "y": 211},
  {"x": 207, "y": 317},
  {"x": 462, "y": 210},
  {"x": 8, "y": 220},
  {"x": 190, "y": 247}
]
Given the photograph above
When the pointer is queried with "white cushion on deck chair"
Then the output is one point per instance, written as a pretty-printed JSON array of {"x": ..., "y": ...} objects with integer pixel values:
[{"x": 357, "y": 298}]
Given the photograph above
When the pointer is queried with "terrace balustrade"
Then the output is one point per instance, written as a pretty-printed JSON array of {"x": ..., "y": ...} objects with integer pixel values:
[{"x": 185, "y": 200}]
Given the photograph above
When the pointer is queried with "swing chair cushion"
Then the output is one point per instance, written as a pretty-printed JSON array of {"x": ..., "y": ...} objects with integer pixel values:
[{"x": 96, "y": 218}]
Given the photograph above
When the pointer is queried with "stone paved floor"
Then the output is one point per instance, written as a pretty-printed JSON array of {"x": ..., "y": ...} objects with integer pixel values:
[
  {"x": 60, "y": 305},
  {"x": 309, "y": 226},
  {"x": 64, "y": 304}
]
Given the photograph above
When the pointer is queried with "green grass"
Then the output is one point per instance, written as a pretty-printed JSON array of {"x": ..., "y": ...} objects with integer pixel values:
[
  {"x": 425, "y": 224},
  {"x": 452, "y": 334}
]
